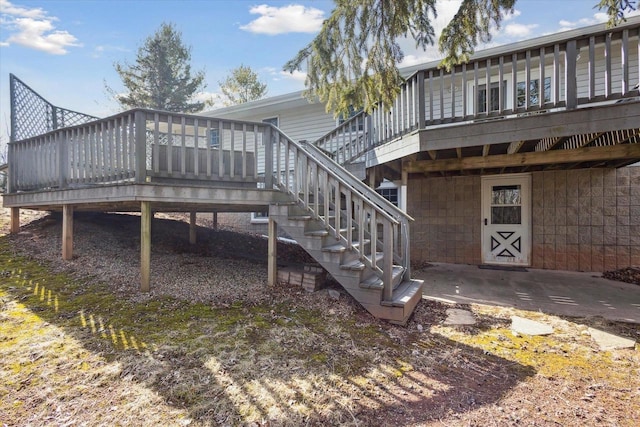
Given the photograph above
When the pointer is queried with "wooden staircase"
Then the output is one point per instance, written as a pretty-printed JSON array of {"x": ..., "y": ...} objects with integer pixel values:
[
  {"x": 360, "y": 238},
  {"x": 345, "y": 266}
]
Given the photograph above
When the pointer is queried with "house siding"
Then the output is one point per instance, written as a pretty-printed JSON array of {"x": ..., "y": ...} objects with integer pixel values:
[
  {"x": 582, "y": 220},
  {"x": 308, "y": 122}
]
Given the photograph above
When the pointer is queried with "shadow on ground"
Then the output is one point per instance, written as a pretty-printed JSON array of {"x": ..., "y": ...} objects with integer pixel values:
[{"x": 288, "y": 362}]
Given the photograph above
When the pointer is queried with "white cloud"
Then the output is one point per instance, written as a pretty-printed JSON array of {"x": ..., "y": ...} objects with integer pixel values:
[
  {"x": 519, "y": 30},
  {"x": 8, "y": 9},
  {"x": 293, "y": 18},
  {"x": 34, "y": 29},
  {"x": 297, "y": 75},
  {"x": 509, "y": 16},
  {"x": 597, "y": 18}
]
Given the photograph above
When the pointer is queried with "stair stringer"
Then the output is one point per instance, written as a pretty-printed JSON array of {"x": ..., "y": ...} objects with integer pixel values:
[{"x": 396, "y": 311}]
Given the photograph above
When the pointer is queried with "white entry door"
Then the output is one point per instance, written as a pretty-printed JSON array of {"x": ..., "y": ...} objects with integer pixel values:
[{"x": 506, "y": 219}]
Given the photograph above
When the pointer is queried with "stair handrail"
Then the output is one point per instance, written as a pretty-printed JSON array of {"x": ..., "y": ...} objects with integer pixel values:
[
  {"x": 385, "y": 206},
  {"x": 393, "y": 217}
]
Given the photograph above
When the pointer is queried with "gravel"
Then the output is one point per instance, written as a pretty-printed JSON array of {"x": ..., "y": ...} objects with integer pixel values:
[{"x": 223, "y": 267}]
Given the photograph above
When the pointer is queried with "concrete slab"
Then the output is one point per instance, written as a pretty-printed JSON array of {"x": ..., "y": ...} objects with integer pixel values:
[
  {"x": 524, "y": 326},
  {"x": 607, "y": 341},
  {"x": 458, "y": 317},
  {"x": 563, "y": 293}
]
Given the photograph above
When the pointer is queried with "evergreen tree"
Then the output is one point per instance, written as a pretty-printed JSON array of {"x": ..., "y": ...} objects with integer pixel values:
[
  {"x": 241, "y": 86},
  {"x": 161, "y": 77},
  {"x": 352, "y": 62}
]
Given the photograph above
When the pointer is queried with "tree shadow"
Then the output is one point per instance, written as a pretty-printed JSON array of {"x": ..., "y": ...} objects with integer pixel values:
[{"x": 286, "y": 362}]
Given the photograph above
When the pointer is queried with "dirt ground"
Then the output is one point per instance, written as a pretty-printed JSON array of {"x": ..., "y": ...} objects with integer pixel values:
[{"x": 213, "y": 345}]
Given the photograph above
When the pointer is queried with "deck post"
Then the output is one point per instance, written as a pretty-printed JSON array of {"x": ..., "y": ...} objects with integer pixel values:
[
  {"x": 15, "y": 220},
  {"x": 215, "y": 220},
  {"x": 422, "y": 113},
  {"x": 272, "y": 261},
  {"x": 571, "y": 88},
  {"x": 403, "y": 189},
  {"x": 67, "y": 232},
  {"x": 192, "y": 228},
  {"x": 63, "y": 160},
  {"x": 140, "y": 121},
  {"x": 268, "y": 156},
  {"x": 145, "y": 246}
]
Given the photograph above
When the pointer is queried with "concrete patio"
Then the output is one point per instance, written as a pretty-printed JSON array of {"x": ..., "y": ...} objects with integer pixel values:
[{"x": 554, "y": 292}]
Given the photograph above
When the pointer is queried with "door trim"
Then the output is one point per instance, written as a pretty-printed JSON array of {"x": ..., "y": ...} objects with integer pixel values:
[{"x": 526, "y": 226}]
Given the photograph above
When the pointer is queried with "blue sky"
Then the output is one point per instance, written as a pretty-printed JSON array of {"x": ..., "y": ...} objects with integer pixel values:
[{"x": 65, "y": 49}]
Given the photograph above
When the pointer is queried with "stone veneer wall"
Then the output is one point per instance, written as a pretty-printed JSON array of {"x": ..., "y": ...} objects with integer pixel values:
[
  {"x": 447, "y": 219},
  {"x": 586, "y": 220},
  {"x": 583, "y": 220}
]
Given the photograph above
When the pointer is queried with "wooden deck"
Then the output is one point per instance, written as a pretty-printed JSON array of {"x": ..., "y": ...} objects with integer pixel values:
[{"x": 150, "y": 161}]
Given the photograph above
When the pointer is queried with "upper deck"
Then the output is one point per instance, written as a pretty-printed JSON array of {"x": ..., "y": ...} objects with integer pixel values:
[{"x": 562, "y": 92}]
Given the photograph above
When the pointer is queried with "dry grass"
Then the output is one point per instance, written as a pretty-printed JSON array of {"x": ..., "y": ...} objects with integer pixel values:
[{"x": 82, "y": 349}]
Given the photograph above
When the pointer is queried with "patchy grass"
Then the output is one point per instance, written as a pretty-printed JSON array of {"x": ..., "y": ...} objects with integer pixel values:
[{"x": 75, "y": 351}]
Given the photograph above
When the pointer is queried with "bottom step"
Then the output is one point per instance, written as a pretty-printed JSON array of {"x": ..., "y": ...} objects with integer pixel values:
[{"x": 404, "y": 300}]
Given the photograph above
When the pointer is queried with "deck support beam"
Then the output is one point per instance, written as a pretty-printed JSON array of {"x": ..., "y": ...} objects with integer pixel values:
[
  {"x": 15, "y": 220},
  {"x": 67, "y": 232},
  {"x": 145, "y": 246},
  {"x": 272, "y": 253},
  {"x": 192, "y": 228}
]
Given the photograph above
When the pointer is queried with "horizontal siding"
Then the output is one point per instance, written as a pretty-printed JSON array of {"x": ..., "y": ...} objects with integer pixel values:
[{"x": 308, "y": 122}]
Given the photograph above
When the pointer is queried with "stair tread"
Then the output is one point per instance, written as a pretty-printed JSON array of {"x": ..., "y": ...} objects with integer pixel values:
[
  {"x": 341, "y": 247},
  {"x": 299, "y": 217},
  {"x": 375, "y": 282},
  {"x": 353, "y": 265},
  {"x": 405, "y": 292},
  {"x": 320, "y": 233}
]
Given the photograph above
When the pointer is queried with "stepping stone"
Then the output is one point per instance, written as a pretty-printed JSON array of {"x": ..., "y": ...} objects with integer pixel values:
[
  {"x": 458, "y": 317},
  {"x": 523, "y": 326},
  {"x": 607, "y": 341}
]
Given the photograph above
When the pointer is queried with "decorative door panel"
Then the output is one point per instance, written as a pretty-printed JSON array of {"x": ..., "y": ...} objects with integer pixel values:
[{"x": 506, "y": 216}]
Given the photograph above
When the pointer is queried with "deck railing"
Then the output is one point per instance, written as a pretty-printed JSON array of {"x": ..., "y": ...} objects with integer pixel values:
[
  {"x": 559, "y": 72},
  {"x": 138, "y": 145}
]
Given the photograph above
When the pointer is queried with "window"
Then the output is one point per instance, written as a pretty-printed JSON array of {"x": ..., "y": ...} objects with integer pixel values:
[
  {"x": 389, "y": 191},
  {"x": 506, "y": 204},
  {"x": 214, "y": 138},
  {"x": 352, "y": 112},
  {"x": 534, "y": 92},
  {"x": 271, "y": 121},
  {"x": 494, "y": 93},
  {"x": 259, "y": 217}
]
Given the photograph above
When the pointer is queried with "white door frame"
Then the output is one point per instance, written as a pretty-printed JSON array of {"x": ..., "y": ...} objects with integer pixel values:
[{"x": 506, "y": 244}]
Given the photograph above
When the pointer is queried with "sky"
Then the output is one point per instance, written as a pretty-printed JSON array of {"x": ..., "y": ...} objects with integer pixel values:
[{"x": 66, "y": 49}]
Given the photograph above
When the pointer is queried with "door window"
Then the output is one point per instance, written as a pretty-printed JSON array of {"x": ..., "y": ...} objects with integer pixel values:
[{"x": 506, "y": 204}]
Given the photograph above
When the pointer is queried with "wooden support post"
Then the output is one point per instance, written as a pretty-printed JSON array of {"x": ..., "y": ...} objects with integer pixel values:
[
  {"x": 145, "y": 246},
  {"x": 67, "y": 232},
  {"x": 272, "y": 254},
  {"x": 15, "y": 220},
  {"x": 372, "y": 178},
  {"x": 403, "y": 189},
  {"x": 215, "y": 220},
  {"x": 192, "y": 228}
]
